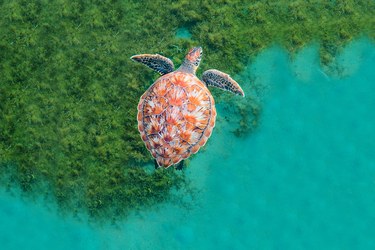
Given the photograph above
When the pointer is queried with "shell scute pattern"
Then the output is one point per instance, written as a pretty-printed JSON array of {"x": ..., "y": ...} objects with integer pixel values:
[
  {"x": 154, "y": 105},
  {"x": 176, "y": 117},
  {"x": 197, "y": 97},
  {"x": 162, "y": 87},
  {"x": 177, "y": 96}
]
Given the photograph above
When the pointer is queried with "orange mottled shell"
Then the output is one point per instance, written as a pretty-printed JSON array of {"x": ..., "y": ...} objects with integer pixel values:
[{"x": 176, "y": 116}]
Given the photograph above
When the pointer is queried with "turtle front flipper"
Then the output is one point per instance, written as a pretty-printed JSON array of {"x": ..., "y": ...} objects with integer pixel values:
[
  {"x": 221, "y": 80},
  {"x": 156, "y": 62}
]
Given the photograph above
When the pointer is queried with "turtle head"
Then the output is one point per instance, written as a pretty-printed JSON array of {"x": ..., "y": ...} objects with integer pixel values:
[
  {"x": 194, "y": 56},
  {"x": 192, "y": 60}
]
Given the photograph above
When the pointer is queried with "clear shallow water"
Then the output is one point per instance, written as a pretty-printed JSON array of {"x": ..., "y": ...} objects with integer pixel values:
[{"x": 305, "y": 179}]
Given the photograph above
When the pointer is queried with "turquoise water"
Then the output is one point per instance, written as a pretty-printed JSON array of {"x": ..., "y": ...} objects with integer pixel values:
[{"x": 305, "y": 179}]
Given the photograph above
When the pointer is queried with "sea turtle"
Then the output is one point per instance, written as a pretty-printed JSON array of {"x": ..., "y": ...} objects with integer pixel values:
[{"x": 177, "y": 113}]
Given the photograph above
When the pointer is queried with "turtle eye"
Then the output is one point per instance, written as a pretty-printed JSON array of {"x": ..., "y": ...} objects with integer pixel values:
[
  {"x": 197, "y": 56},
  {"x": 197, "y": 60}
]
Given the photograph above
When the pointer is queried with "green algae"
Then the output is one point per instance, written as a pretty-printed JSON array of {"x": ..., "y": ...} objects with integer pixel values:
[{"x": 68, "y": 91}]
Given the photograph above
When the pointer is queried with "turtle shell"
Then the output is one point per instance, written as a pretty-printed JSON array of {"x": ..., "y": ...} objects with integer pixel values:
[{"x": 176, "y": 116}]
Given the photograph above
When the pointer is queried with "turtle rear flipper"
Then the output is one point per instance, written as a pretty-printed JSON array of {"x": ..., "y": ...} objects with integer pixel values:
[
  {"x": 156, "y": 164},
  {"x": 180, "y": 165},
  {"x": 159, "y": 63},
  {"x": 221, "y": 80}
]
